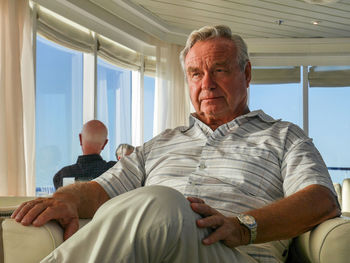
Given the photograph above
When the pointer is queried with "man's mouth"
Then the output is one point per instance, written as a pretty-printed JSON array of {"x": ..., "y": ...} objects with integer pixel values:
[{"x": 210, "y": 98}]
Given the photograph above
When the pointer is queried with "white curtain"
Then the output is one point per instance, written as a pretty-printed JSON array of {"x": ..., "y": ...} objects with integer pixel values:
[
  {"x": 172, "y": 102},
  {"x": 114, "y": 105},
  {"x": 137, "y": 109},
  {"x": 17, "y": 97}
]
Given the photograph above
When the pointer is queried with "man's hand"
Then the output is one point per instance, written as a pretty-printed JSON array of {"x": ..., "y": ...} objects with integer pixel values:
[
  {"x": 39, "y": 211},
  {"x": 67, "y": 205},
  {"x": 225, "y": 229}
]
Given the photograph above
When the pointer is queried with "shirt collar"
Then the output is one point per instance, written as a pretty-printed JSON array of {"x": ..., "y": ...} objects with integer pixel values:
[
  {"x": 257, "y": 113},
  {"x": 89, "y": 158},
  {"x": 238, "y": 121}
]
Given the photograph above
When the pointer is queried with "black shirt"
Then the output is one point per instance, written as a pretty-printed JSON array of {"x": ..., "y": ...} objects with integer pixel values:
[{"x": 88, "y": 167}]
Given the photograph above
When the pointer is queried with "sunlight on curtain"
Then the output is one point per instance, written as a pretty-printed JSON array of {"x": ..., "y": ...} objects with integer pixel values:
[
  {"x": 16, "y": 114},
  {"x": 137, "y": 113},
  {"x": 142, "y": 108},
  {"x": 114, "y": 105},
  {"x": 172, "y": 103}
]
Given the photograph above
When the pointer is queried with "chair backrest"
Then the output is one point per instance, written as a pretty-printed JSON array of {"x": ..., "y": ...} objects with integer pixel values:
[
  {"x": 346, "y": 195},
  {"x": 338, "y": 190},
  {"x": 328, "y": 242}
]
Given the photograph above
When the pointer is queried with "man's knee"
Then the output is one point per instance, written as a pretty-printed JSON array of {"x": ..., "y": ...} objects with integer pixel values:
[
  {"x": 149, "y": 199},
  {"x": 162, "y": 195},
  {"x": 162, "y": 200}
]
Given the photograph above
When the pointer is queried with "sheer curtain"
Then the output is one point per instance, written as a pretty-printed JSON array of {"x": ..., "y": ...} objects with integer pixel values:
[
  {"x": 137, "y": 110},
  {"x": 114, "y": 105},
  {"x": 17, "y": 115},
  {"x": 172, "y": 102}
]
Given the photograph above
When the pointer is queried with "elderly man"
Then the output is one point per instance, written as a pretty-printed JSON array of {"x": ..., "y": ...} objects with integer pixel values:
[
  {"x": 251, "y": 182},
  {"x": 93, "y": 139}
]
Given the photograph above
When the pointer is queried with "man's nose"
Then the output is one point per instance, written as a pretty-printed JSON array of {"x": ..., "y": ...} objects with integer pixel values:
[{"x": 208, "y": 82}]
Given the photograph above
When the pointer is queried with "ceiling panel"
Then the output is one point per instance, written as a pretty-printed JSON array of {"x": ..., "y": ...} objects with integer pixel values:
[
  {"x": 261, "y": 26},
  {"x": 253, "y": 18},
  {"x": 144, "y": 24}
]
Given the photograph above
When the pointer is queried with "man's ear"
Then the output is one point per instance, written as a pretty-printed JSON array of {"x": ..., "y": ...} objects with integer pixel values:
[
  {"x": 103, "y": 146},
  {"x": 248, "y": 73},
  {"x": 80, "y": 139}
]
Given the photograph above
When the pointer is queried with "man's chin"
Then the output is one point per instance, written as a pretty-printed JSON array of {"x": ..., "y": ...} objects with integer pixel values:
[
  {"x": 212, "y": 111},
  {"x": 210, "y": 115}
]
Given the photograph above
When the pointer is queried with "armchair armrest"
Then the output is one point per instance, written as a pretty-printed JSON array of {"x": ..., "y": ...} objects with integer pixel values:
[
  {"x": 328, "y": 242},
  {"x": 29, "y": 244}
]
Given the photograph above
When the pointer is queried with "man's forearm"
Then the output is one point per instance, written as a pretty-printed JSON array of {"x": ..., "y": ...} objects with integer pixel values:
[
  {"x": 295, "y": 214},
  {"x": 86, "y": 196}
]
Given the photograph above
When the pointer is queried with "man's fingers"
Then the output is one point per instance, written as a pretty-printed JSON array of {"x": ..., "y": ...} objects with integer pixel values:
[
  {"x": 23, "y": 210},
  {"x": 223, "y": 228},
  {"x": 38, "y": 212},
  {"x": 71, "y": 228},
  {"x": 195, "y": 199},
  {"x": 203, "y": 209},
  {"x": 48, "y": 214},
  {"x": 44, "y": 217},
  {"x": 18, "y": 209},
  {"x": 217, "y": 235},
  {"x": 213, "y": 222},
  {"x": 32, "y": 214}
]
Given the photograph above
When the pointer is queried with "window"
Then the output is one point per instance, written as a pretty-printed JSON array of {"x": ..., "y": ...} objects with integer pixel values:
[
  {"x": 149, "y": 88},
  {"x": 59, "y": 110},
  {"x": 114, "y": 105},
  {"x": 329, "y": 127},
  {"x": 278, "y": 100}
]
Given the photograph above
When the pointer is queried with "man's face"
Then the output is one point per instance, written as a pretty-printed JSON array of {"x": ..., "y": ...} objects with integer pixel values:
[{"x": 218, "y": 88}]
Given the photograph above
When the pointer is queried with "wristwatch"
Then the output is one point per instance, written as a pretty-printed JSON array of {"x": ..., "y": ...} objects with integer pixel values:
[{"x": 249, "y": 222}]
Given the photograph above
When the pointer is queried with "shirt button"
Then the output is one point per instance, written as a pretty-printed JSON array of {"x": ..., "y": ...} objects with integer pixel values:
[{"x": 202, "y": 166}]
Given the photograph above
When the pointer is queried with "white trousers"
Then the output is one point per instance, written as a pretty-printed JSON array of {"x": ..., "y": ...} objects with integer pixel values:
[{"x": 150, "y": 224}]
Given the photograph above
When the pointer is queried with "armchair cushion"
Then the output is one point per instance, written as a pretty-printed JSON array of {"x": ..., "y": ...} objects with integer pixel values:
[
  {"x": 9, "y": 203},
  {"x": 28, "y": 244},
  {"x": 328, "y": 242}
]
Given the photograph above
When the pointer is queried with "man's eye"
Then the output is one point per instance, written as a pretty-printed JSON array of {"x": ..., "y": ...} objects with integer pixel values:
[{"x": 195, "y": 74}]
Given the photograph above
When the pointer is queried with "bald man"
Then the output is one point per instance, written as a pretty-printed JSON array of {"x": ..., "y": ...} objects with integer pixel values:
[{"x": 93, "y": 139}]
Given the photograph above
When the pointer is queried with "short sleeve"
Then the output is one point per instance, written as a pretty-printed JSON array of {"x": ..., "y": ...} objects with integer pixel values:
[
  {"x": 128, "y": 174},
  {"x": 302, "y": 164}
]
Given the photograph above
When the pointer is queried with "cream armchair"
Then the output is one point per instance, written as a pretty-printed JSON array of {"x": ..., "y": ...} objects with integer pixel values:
[{"x": 328, "y": 242}]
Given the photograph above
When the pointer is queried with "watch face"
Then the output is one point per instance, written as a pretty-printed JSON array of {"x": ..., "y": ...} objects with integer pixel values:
[
  {"x": 250, "y": 223},
  {"x": 248, "y": 220}
]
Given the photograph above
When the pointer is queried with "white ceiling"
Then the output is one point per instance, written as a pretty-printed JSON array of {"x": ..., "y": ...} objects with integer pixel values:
[
  {"x": 269, "y": 26},
  {"x": 249, "y": 18}
]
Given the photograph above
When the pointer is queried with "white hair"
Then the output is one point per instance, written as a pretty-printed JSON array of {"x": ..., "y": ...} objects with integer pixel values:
[{"x": 209, "y": 32}]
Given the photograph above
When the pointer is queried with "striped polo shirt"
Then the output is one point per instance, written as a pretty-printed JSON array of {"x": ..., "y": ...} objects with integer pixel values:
[{"x": 242, "y": 165}]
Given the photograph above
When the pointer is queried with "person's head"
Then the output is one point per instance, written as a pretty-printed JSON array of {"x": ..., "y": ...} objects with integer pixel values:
[
  {"x": 124, "y": 149},
  {"x": 218, "y": 71},
  {"x": 93, "y": 137}
]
